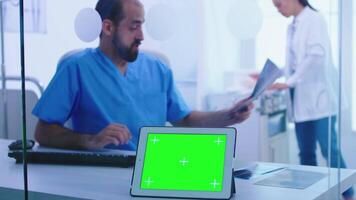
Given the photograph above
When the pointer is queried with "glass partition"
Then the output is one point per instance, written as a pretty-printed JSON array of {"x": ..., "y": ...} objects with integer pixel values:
[
  {"x": 341, "y": 59},
  {"x": 354, "y": 70},
  {"x": 12, "y": 181},
  {"x": 210, "y": 47},
  {"x": 271, "y": 42},
  {"x": 348, "y": 104}
]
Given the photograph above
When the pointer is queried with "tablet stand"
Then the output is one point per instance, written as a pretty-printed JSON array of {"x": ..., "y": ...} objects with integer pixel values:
[{"x": 233, "y": 188}]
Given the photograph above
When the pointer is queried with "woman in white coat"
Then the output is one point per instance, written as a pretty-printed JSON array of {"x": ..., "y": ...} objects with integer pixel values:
[{"x": 308, "y": 71}]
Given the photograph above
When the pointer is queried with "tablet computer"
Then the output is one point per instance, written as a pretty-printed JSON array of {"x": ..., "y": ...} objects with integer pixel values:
[{"x": 184, "y": 163}]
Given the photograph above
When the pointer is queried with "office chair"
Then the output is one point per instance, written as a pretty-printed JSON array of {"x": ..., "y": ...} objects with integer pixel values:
[{"x": 13, "y": 115}]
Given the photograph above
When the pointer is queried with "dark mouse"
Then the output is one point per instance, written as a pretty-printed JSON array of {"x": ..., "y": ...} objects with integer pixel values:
[{"x": 17, "y": 145}]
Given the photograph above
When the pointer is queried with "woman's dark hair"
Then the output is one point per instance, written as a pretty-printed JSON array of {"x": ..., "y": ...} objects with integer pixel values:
[{"x": 306, "y": 3}]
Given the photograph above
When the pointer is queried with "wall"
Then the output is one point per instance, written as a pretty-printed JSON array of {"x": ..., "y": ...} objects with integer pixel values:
[{"x": 42, "y": 51}]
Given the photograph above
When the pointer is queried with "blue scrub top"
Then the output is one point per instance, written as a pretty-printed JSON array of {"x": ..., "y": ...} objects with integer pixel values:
[{"x": 91, "y": 91}]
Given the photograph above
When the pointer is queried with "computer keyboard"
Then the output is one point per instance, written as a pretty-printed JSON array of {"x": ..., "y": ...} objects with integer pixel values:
[{"x": 75, "y": 158}]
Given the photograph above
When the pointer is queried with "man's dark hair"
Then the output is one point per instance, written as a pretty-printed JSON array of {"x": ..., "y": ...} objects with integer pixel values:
[
  {"x": 306, "y": 3},
  {"x": 110, "y": 9}
]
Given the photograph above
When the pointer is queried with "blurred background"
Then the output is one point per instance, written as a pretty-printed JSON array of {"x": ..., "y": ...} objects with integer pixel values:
[{"x": 212, "y": 47}]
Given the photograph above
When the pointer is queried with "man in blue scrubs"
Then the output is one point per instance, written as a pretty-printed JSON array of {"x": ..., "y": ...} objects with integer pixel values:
[{"x": 111, "y": 91}]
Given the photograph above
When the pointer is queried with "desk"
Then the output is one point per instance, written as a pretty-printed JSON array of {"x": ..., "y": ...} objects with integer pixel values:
[{"x": 89, "y": 182}]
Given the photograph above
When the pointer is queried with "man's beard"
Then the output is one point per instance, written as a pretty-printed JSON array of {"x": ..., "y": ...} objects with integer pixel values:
[{"x": 127, "y": 53}]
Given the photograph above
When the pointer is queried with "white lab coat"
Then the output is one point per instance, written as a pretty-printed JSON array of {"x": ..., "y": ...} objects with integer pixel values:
[{"x": 314, "y": 78}]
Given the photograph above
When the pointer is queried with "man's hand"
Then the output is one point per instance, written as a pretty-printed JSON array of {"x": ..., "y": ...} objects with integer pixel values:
[
  {"x": 113, "y": 134},
  {"x": 221, "y": 118},
  {"x": 240, "y": 111}
]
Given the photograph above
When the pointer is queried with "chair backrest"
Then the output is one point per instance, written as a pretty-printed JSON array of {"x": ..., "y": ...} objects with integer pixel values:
[
  {"x": 14, "y": 113},
  {"x": 69, "y": 53},
  {"x": 162, "y": 57}
]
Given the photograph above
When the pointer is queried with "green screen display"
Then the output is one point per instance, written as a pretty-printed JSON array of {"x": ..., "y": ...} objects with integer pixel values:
[{"x": 191, "y": 162}]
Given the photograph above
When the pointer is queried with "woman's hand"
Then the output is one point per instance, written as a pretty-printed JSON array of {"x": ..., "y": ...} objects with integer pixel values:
[
  {"x": 254, "y": 76},
  {"x": 278, "y": 86}
]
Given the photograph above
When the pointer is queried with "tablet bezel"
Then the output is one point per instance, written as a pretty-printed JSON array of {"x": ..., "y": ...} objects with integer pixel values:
[{"x": 228, "y": 165}]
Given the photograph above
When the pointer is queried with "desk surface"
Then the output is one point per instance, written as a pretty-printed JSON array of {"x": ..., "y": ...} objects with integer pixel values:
[{"x": 90, "y": 182}]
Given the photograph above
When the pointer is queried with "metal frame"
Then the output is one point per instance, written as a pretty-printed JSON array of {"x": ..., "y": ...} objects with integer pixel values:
[
  {"x": 32, "y": 80},
  {"x": 3, "y": 72}
]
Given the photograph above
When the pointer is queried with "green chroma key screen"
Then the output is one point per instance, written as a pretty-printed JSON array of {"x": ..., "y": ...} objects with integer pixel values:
[{"x": 191, "y": 162}]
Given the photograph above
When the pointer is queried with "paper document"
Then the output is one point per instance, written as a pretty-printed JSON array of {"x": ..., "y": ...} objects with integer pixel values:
[
  {"x": 290, "y": 178},
  {"x": 270, "y": 73},
  {"x": 256, "y": 170}
]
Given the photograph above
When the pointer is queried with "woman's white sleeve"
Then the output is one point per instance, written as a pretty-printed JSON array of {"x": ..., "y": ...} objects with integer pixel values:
[
  {"x": 316, "y": 51},
  {"x": 315, "y": 57}
]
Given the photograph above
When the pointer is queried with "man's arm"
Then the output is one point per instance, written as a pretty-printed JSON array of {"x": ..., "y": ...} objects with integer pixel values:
[
  {"x": 219, "y": 118},
  {"x": 54, "y": 135}
]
